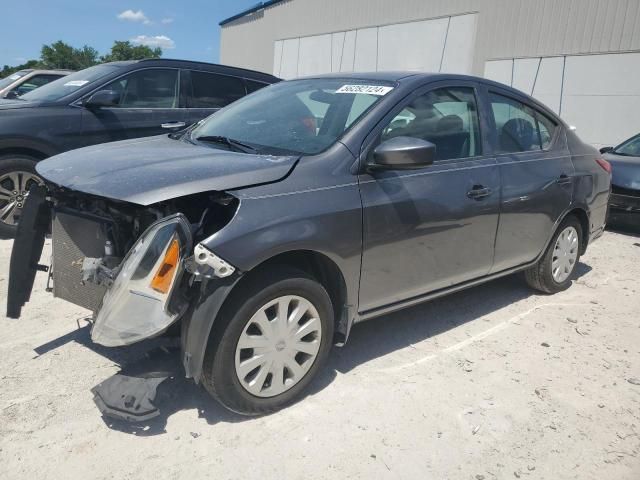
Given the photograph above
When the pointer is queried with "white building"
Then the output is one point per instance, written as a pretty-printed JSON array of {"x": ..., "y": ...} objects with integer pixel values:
[{"x": 580, "y": 57}]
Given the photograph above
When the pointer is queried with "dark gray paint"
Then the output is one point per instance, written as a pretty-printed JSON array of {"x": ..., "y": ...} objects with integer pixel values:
[
  {"x": 148, "y": 170},
  {"x": 625, "y": 171},
  {"x": 397, "y": 237}
]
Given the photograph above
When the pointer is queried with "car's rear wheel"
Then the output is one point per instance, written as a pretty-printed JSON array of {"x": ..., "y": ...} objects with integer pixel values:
[
  {"x": 17, "y": 176},
  {"x": 554, "y": 271},
  {"x": 271, "y": 339}
]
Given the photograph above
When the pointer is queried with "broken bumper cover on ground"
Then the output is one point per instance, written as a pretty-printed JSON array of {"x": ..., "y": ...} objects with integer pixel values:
[{"x": 138, "y": 305}]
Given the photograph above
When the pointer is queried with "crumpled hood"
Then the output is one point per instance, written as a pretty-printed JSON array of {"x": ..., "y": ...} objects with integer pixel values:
[
  {"x": 625, "y": 171},
  {"x": 149, "y": 170}
]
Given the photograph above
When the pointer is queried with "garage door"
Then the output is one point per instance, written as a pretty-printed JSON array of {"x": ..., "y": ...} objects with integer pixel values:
[
  {"x": 434, "y": 45},
  {"x": 598, "y": 94}
]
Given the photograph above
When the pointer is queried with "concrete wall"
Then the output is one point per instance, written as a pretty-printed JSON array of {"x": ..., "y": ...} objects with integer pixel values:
[
  {"x": 545, "y": 47},
  {"x": 505, "y": 28}
]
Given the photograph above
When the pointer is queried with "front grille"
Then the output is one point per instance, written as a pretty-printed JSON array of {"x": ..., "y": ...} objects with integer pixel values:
[{"x": 75, "y": 237}]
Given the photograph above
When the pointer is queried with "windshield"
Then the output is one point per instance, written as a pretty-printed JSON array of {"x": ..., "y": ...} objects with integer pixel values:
[
  {"x": 5, "y": 82},
  {"x": 66, "y": 85},
  {"x": 631, "y": 147},
  {"x": 299, "y": 116}
]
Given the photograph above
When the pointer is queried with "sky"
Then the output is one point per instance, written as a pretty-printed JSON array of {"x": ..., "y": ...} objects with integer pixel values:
[{"x": 185, "y": 29}]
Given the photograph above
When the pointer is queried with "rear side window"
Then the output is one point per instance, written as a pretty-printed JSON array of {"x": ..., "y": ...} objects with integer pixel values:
[
  {"x": 520, "y": 128},
  {"x": 252, "y": 86},
  {"x": 215, "y": 91}
]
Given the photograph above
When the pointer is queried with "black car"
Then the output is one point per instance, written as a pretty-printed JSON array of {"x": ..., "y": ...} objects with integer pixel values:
[
  {"x": 265, "y": 232},
  {"x": 624, "y": 204},
  {"x": 104, "y": 103}
]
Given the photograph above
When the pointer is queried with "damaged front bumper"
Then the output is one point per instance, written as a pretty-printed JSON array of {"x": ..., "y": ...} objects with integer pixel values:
[{"x": 136, "y": 289}]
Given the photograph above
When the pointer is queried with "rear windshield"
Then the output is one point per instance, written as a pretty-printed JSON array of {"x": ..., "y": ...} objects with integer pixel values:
[{"x": 67, "y": 85}]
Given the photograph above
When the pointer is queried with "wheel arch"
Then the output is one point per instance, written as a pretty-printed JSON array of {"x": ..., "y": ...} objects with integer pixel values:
[
  {"x": 37, "y": 154},
  {"x": 198, "y": 325},
  {"x": 583, "y": 217},
  {"x": 26, "y": 146},
  {"x": 326, "y": 272}
]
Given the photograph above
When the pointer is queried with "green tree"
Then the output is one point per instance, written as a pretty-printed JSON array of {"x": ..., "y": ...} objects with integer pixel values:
[
  {"x": 8, "y": 70},
  {"x": 127, "y": 51},
  {"x": 63, "y": 55}
]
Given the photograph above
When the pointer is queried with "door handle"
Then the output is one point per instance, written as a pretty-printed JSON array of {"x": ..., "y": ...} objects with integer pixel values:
[
  {"x": 173, "y": 125},
  {"x": 478, "y": 192},
  {"x": 564, "y": 179}
]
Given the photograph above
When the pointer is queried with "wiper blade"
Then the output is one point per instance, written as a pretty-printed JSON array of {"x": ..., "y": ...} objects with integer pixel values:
[{"x": 230, "y": 142}]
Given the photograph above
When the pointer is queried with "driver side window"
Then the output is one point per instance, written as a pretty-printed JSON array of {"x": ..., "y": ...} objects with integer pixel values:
[
  {"x": 446, "y": 117},
  {"x": 153, "y": 88}
]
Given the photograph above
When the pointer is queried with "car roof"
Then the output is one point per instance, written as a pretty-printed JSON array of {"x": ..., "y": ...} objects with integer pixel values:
[
  {"x": 51, "y": 71},
  {"x": 395, "y": 76},
  {"x": 241, "y": 72}
]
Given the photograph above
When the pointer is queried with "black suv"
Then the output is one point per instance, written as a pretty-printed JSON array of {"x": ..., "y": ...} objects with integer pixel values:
[{"x": 104, "y": 103}]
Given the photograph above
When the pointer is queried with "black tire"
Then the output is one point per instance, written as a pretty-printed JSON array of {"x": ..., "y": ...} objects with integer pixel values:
[
  {"x": 219, "y": 373},
  {"x": 540, "y": 276},
  {"x": 8, "y": 164}
]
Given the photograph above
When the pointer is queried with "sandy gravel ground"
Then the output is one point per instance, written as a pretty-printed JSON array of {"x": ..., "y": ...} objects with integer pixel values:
[{"x": 494, "y": 382}]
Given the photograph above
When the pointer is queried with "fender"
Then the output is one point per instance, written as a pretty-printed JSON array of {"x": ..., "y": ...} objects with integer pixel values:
[
  {"x": 326, "y": 221},
  {"x": 198, "y": 323},
  {"x": 43, "y": 148}
]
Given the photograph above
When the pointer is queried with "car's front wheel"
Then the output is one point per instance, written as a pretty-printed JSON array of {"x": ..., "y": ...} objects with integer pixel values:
[
  {"x": 271, "y": 339},
  {"x": 554, "y": 271},
  {"x": 17, "y": 176}
]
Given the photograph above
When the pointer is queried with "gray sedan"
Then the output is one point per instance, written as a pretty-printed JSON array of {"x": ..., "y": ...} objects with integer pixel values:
[{"x": 264, "y": 232}]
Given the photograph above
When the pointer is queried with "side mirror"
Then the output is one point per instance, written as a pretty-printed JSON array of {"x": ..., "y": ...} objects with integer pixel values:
[
  {"x": 606, "y": 149},
  {"x": 403, "y": 153},
  {"x": 12, "y": 94},
  {"x": 103, "y": 98}
]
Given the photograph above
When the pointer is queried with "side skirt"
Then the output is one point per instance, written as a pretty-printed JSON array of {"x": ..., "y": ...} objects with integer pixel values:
[{"x": 377, "y": 312}]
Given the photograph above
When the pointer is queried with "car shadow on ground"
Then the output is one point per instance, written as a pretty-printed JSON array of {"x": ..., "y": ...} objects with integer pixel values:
[{"x": 368, "y": 340}]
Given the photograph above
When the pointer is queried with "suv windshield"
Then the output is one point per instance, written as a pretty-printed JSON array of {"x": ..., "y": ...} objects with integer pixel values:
[
  {"x": 631, "y": 147},
  {"x": 300, "y": 116},
  {"x": 66, "y": 85}
]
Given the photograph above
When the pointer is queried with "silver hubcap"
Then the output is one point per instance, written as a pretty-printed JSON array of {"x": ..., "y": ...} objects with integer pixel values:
[
  {"x": 565, "y": 254},
  {"x": 278, "y": 346},
  {"x": 14, "y": 188}
]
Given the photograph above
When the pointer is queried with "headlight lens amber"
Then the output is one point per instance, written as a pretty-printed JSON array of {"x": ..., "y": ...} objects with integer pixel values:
[{"x": 137, "y": 304}]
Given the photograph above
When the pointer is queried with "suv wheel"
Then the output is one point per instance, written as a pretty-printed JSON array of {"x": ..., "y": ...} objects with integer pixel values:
[
  {"x": 17, "y": 175},
  {"x": 554, "y": 271},
  {"x": 272, "y": 338}
]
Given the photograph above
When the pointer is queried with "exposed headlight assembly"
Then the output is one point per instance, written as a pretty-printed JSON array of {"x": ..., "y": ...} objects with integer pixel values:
[{"x": 137, "y": 304}]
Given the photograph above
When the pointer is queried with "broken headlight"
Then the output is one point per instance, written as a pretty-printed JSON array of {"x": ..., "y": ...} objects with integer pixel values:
[{"x": 137, "y": 304}]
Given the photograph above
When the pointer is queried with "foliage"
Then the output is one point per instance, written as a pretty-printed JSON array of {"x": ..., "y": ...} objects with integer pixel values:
[
  {"x": 127, "y": 51},
  {"x": 9, "y": 70},
  {"x": 64, "y": 56},
  {"x": 60, "y": 55}
]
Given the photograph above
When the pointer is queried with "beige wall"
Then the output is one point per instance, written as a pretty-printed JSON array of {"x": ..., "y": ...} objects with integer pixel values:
[{"x": 505, "y": 28}]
